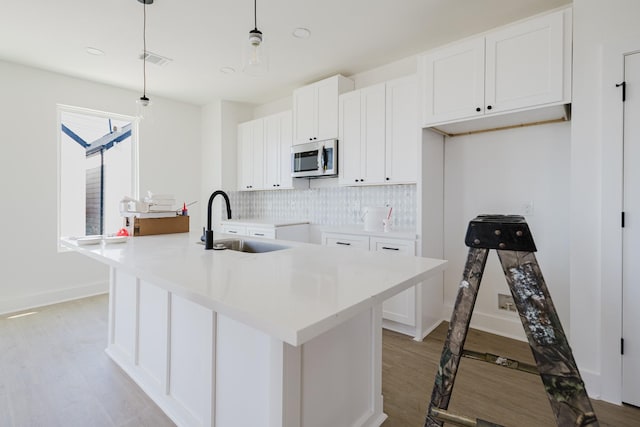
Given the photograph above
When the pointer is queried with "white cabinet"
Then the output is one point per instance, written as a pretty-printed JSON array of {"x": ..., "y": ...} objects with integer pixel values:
[
  {"x": 296, "y": 232},
  {"x": 315, "y": 109},
  {"x": 399, "y": 312},
  {"x": 269, "y": 233},
  {"x": 362, "y": 136},
  {"x": 278, "y": 140},
  {"x": 345, "y": 240},
  {"x": 522, "y": 66},
  {"x": 251, "y": 155},
  {"x": 402, "y": 307},
  {"x": 240, "y": 230},
  {"x": 378, "y": 132},
  {"x": 264, "y": 153},
  {"x": 402, "y": 131}
]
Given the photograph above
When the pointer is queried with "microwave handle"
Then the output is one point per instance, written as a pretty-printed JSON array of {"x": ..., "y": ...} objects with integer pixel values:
[{"x": 323, "y": 159}]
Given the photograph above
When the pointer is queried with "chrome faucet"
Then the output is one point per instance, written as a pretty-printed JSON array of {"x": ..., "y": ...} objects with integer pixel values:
[{"x": 208, "y": 241}]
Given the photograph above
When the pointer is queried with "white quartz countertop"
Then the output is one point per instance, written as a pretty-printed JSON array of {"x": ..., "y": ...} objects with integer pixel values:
[
  {"x": 264, "y": 223},
  {"x": 293, "y": 294}
]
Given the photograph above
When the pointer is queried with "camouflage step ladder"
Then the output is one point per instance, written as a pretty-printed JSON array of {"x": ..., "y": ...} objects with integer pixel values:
[{"x": 510, "y": 236}]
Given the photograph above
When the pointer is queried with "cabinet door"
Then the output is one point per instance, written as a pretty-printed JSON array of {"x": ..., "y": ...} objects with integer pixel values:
[
  {"x": 245, "y": 156},
  {"x": 372, "y": 101},
  {"x": 304, "y": 113},
  {"x": 269, "y": 233},
  {"x": 327, "y": 109},
  {"x": 350, "y": 138},
  {"x": 402, "y": 307},
  {"x": 286, "y": 140},
  {"x": 452, "y": 81},
  {"x": 257, "y": 146},
  {"x": 277, "y": 151},
  {"x": 234, "y": 229},
  {"x": 401, "y": 163},
  {"x": 345, "y": 240},
  {"x": 525, "y": 64},
  {"x": 272, "y": 152}
]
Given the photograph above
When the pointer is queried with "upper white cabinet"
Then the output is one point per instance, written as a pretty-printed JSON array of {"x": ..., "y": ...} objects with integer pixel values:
[
  {"x": 362, "y": 136},
  {"x": 378, "y": 133},
  {"x": 402, "y": 131},
  {"x": 264, "y": 153},
  {"x": 251, "y": 155},
  {"x": 278, "y": 140},
  {"x": 522, "y": 66},
  {"x": 315, "y": 109}
]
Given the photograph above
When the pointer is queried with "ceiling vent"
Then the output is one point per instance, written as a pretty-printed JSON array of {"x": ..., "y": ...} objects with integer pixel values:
[{"x": 155, "y": 59}]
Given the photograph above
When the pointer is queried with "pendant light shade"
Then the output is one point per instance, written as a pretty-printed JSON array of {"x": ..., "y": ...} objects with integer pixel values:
[
  {"x": 143, "y": 104},
  {"x": 255, "y": 61}
]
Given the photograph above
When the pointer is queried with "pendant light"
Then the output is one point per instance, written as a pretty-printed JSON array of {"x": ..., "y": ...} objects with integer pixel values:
[
  {"x": 144, "y": 103},
  {"x": 255, "y": 55}
]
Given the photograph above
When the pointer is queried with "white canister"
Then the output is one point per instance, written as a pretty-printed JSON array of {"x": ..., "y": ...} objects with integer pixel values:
[{"x": 374, "y": 217}]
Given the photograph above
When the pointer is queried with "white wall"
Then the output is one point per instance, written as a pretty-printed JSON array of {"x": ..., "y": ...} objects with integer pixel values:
[
  {"x": 219, "y": 152},
  {"x": 33, "y": 271},
  {"x": 603, "y": 31},
  {"x": 497, "y": 173}
]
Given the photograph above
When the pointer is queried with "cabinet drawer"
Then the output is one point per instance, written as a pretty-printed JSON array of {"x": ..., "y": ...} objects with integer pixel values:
[
  {"x": 346, "y": 240},
  {"x": 269, "y": 233},
  {"x": 395, "y": 246},
  {"x": 234, "y": 229}
]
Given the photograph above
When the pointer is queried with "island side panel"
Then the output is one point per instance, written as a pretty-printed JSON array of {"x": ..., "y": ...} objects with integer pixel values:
[
  {"x": 341, "y": 374},
  {"x": 191, "y": 372},
  {"x": 153, "y": 305}
]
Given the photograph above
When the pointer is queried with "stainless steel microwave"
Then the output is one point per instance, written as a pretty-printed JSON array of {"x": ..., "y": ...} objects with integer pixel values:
[{"x": 315, "y": 159}]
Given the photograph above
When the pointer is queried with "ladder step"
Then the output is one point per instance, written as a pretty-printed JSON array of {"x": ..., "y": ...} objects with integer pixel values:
[
  {"x": 460, "y": 420},
  {"x": 501, "y": 361}
]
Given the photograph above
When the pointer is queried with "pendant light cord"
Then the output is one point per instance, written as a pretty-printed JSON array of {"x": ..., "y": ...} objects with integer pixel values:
[
  {"x": 144, "y": 49},
  {"x": 255, "y": 14}
]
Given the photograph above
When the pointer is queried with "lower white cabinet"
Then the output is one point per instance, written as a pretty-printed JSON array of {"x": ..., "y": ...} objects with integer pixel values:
[
  {"x": 402, "y": 307},
  {"x": 416, "y": 311},
  {"x": 346, "y": 240},
  {"x": 294, "y": 232}
]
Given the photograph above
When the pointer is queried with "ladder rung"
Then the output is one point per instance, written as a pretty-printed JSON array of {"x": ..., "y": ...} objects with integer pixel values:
[
  {"x": 460, "y": 420},
  {"x": 501, "y": 361}
]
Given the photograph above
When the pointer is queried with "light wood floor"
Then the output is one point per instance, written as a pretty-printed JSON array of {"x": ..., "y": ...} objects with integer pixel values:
[
  {"x": 54, "y": 372},
  {"x": 482, "y": 390}
]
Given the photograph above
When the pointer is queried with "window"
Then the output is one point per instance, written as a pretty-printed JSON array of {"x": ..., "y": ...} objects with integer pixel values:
[{"x": 97, "y": 167}]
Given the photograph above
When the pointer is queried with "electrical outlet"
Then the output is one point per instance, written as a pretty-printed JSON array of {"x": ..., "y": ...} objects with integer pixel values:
[{"x": 505, "y": 302}]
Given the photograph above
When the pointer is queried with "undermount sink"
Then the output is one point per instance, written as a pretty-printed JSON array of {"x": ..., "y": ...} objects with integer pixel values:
[{"x": 249, "y": 246}]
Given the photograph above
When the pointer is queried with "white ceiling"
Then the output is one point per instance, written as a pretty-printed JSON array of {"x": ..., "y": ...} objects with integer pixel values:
[{"x": 202, "y": 36}]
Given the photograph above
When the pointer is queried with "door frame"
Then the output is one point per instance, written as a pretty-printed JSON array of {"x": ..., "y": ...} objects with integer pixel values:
[{"x": 612, "y": 136}]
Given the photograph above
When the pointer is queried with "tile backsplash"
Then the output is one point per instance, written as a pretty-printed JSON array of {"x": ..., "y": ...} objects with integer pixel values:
[{"x": 334, "y": 206}]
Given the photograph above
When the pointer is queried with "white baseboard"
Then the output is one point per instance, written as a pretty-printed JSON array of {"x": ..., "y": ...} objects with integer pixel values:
[
  {"x": 28, "y": 302},
  {"x": 509, "y": 328},
  {"x": 592, "y": 384}
]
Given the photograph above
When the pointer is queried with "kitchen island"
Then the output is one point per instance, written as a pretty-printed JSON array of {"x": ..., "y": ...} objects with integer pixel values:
[{"x": 227, "y": 338}]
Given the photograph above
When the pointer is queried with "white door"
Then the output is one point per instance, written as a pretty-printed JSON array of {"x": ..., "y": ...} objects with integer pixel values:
[
  {"x": 401, "y": 164},
  {"x": 304, "y": 114},
  {"x": 286, "y": 140},
  {"x": 631, "y": 235},
  {"x": 350, "y": 137},
  {"x": 453, "y": 82},
  {"x": 245, "y": 157},
  {"x": 326, "y": 109},
  {"x": 373, "y": 134},
  {"x": 258, "y": 154},
  {"x": 524, "y": 64},
  {"x": 271, "y": 152}
]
